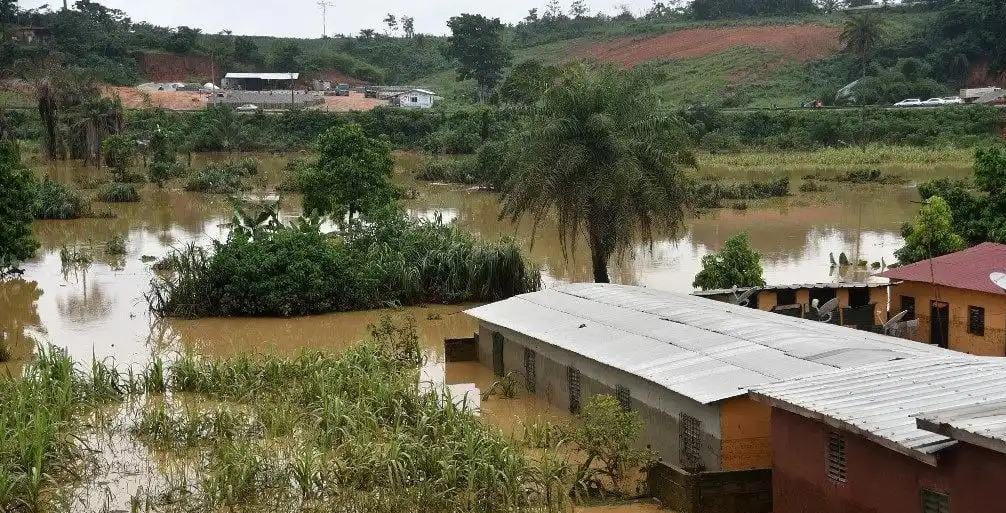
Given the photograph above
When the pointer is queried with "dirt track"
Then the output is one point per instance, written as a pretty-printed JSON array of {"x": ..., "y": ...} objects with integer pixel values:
[
  {"x": 355, "y": 101},
  {"x": 171, "y": 100},
  {"x": 798, "y": 42}
]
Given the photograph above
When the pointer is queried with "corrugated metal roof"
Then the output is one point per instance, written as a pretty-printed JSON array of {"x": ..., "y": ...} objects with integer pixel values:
[
  {"x": 796, "y": 286},
  {"x": 881, "y": 401},
  {"x": 982, "y": 424},
  {"x": 421, "y": 91},
  {"x": 968, "y": 269},
  {"x": 265, "y": 76},
  {"x": 700, "y": 348}
]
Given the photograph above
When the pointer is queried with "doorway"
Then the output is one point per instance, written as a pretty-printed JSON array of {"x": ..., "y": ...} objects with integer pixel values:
[{"x": 939, "y": 323}]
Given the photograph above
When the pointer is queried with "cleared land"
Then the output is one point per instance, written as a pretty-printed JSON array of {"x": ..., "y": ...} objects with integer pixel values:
[
  {"x": 801, "y": 43},
  {"x": 133, "y": 98}
]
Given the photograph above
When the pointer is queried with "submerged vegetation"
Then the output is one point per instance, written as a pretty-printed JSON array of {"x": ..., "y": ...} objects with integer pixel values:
[
  {"x": 266, "y": 267},
  {"x": 117, "y": 192},
  {"x": 222, "y": 178},
  {"x": 55, "y": 200}
]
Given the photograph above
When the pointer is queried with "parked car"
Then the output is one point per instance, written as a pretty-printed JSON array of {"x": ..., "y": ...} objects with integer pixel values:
[
  {"x": 370, "y": 92},
  {"x": 953, "y": 100},
  {"x": 248, "y": 107},
  {"x": 934, "y": 102},
  {"x": 911, "y": 102},
  {"x": 342, "y": 90}
]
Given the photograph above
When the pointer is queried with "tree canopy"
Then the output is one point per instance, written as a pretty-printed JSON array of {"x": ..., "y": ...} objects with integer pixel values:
[
  {"x": 735, "y": 265},
  {"x": 352, "y": 175},
  {"x": 977, "y": 207},
  {"x": 931, "y": 235},
  {"x": 599, "y": 154},
  {"x": 476, "y": 43},
  {"x": 16, "y": 209}
]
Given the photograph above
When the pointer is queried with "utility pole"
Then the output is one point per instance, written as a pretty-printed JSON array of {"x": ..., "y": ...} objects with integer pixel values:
[{"x": 324, "y": 16}]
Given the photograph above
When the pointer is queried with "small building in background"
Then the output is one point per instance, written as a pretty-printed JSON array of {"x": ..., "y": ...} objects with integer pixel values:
[
  {"x": 260, "y": 81},
  {"x": 29, "y": 35},
  {"x": 956, "y": 303},
  {"x": 860, "y": 304},
  {"x": 414, "y": 99},
  {"x": 922, "y": 435}
]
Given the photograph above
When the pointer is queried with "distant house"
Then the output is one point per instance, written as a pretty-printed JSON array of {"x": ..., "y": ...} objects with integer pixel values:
[
  {"x": 29, "y": 35},
  {"x": 860, "y": 304},
  {"x": 414, "y": 99},
  {"x": 956, "y": 303},
  {"x": 923, "y": 435},
  {"x": 260, "y": 81}
]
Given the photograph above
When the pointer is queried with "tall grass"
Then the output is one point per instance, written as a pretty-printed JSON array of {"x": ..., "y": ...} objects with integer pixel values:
[
  {"x": 54, "y": 200},
  {"x": 118, "y": 193},
  {"x": 41, "y": 413},
  {"x": 843, "y": 157}
]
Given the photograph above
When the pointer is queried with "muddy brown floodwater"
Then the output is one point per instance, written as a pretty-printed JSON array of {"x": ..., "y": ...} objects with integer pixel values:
[{"x": 99, "y": 308}]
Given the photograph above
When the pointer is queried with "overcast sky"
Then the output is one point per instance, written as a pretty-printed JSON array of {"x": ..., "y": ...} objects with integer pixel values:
[{"x": 302, "y": 18}]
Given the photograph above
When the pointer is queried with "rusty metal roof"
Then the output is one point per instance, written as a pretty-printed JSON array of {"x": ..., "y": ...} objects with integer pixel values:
[
  {"x": 882, "y": 401},
  {"x": 968, "y": 269},
  {"x": 700, "y": 348}
]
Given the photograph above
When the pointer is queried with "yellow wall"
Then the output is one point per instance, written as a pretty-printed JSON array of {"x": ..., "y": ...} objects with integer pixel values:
[
  {"x": 994, "y": 341},
  {"x": 769, "y": 299},
  {"x": 745, "y": 434}
]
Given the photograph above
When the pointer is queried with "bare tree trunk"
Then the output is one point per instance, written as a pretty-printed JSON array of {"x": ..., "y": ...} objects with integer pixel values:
[{"x": 598, "y": 256}]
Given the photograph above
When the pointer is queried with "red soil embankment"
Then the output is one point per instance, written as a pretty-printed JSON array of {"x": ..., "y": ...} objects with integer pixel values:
[
  {"x": 169, "y": 67},
  {"x": 798, "y": 42}
]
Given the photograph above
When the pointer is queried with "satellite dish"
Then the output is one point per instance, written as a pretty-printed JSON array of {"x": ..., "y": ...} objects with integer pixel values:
[
  {"x": 745, "y": 298},
  {"x": 894, "y": 320},
  {"x": 999, "y": 278},
  {"x": 824, "y": 311}
]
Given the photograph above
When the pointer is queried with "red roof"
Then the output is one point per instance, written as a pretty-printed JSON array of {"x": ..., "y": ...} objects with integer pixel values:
[{"x": 968, "y": 269}]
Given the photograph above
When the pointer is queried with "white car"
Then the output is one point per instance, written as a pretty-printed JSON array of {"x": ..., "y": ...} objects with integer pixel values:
[
  {"x": 953, "y": 100},
  {"x": 911, "y": 102},
  {"x": 248, "y": 107},
  {"x": 934, "y": 102}
]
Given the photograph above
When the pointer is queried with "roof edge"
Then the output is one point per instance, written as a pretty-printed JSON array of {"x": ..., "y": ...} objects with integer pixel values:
[{"x": 962, "y": 435}]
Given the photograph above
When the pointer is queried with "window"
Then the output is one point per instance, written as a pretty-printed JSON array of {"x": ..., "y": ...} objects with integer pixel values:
[
  {"x": 785, "y": 297},
  {"x": 573, "y": 382},
  {"x": 976, "y": 320},
  {"x": 529, "y": 375},
  {"x": 935, "y": 502},
  {"x": 836, "y": 458},
  {"x": 690, "y": 442},
  {"x": 859, "y": 296},
  {"x": 908, "y": 303},
  {"x": 498, "y": 354},
  {"x": 624, "y": 396},
  {"x": 415, "y": 99}
]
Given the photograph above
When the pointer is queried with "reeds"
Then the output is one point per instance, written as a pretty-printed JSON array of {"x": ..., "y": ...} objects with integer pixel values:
[{"x": 117, "y": 192}]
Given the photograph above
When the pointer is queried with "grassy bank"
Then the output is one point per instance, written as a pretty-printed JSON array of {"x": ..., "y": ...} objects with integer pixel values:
[{"x": 842, "y": 157}]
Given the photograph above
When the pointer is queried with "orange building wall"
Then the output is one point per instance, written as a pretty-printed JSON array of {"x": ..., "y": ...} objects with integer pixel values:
[
  {"x": 745, "y": 434},
  {"x": 769, "y": 299},
  {"x": 994, "y": 341}
]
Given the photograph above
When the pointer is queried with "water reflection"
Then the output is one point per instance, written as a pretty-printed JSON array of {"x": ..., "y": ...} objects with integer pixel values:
[{"x": 20, "y": 323}]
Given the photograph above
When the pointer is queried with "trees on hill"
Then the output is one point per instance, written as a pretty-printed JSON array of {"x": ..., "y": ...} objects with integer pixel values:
[
  {"x": 713, "y": 9},
  {"x": 861, "y": 34},
  {"x": 599, "y": 154},
  {"x": 931, "y": 235},
  {"x": 476, "y": 43}
]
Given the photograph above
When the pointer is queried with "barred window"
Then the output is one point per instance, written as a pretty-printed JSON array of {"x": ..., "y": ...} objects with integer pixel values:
[
  {"x": 836, "y": 458},
  {"x": 935, "y": 502},
  {"x": 498, "y": 354},
  {"x": 573, "y": 379},
  {"x": 624, "y": 396},
  {"x": 908, "y": 303},
  {"x": 690, "y": 440},
  {"x": 529, "y": 375},
  {"x": 976, "y": 320}
]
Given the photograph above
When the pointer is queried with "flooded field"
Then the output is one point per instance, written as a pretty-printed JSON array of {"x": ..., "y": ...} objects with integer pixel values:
[{"x": 99, "y": 309}]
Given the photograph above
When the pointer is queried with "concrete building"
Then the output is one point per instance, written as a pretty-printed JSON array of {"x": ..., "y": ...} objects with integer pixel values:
[
  {"x": 260, "y": 81},
  {"x": 956, "y": 303},
  {"x": 685, "y": 363},
  {"x": 860, "y": 304},
  {"x": 414, "y": 99},
  {"x": 922, "y": 435}
]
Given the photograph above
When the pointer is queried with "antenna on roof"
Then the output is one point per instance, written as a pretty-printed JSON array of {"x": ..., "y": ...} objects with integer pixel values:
[
  {"x": 825, "y": 311},
  {"x": 745, "y": 297},
  {"x": 999, "y": 278},
  {"x": 889, "y": 325}
]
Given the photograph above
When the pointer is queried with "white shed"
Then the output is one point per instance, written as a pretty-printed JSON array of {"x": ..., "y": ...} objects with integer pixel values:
[{"x": 414, "y": 99}]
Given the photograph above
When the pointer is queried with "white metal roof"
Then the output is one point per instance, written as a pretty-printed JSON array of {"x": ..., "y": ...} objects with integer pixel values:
[
  {"x": 420, "y": 91},
  {"x": 265, "y": 76},
  {"x": 881, "y": 401},
  {"x": 700, "y": 348},
  {"x": 982, "y": 424},
  {"x": 796, "y": 286}
]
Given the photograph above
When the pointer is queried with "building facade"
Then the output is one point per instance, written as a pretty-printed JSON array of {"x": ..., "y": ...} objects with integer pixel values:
[
  {"x": 954, "y": 300},
  {"x": 854, "y": 441},
  {"x": 414, "y": 99},
  {"x": 860, "y": 304}
]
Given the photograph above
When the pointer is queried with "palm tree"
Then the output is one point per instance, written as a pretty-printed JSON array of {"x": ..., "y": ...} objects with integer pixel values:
[
  {"x": 861, "y": 34},
  {"x": 598, "y": 152}
]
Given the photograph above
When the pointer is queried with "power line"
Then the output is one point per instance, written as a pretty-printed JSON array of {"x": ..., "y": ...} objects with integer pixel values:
[{"x": 324, "y": 16}]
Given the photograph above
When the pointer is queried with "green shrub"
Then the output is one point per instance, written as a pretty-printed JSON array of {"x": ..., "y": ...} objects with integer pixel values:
[
  {"x": 222, "y": 178},
  {"x": 55, "y": 200},
  {"x": 707, "y": 194},
  {"x": 118, "y": 193},
  {"x": 116, "y": 245}
]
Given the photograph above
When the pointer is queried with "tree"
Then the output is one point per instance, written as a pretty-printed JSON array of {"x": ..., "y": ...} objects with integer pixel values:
[
  {"x": 476, "y": 43},
  {"x": 8, "y": 12},
  {"x": 367, "y": 34},
  {"x": 526, "y": 82},
  {"x": 578, "y": 9},
  {"x": 532, "y": 16},
  {"x": 408, "y": 26},
  {"x": 246, "y": 51},
  {"x": 16, "y": 209},
  {"x": 737, "y": 264},
  {"x": 392, "y": 22},
  {"x": 829, "y": 6},
  {"x": 977, "y": 207},
  {"x": 861, "y": 34},
  {"x": 599, "y": 153},
  {"x": 553, "y": 10},
  {"x": 119, "y": 152},
  {"x": 183, "y": 40},
  {"x": 931, "y": 235},
  {"x": 352, "y": 175},
  {"x": 607, "y": 436}
]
